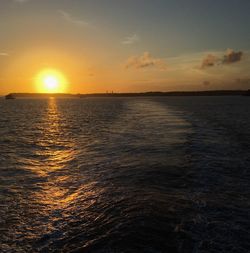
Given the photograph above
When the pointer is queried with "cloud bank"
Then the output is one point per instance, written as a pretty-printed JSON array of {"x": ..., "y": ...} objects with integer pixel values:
[
  {"x": 229, "y": 57},
  {"x": 210, "y": 61},
  {"x": 145, "y": 61}
]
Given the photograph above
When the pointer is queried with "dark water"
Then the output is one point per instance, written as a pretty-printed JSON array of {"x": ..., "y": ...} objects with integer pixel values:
[{"x": 125, "y": 175}]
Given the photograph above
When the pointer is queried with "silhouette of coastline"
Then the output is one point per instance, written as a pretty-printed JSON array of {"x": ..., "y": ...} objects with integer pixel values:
[
  {"x": 10, "y": 96},
  {"x": 139, "y": 94},
  {"x": 247, "y": 93}
]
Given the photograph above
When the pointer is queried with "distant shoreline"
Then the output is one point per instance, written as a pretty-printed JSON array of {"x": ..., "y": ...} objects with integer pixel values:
[{"x": 139, "y": 94}]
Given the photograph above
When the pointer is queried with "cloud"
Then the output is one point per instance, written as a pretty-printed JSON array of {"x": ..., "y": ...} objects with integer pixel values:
[
  {"x": 231, "y": 57},
  {"x": 21, "y": 1},
  {"x": 206, "y": 83},
  {"x": 131, "y": 39},
  {"x": 244, "y": 81},
  {"x": 68, "y": 17},
  {"x": 145, "y": 61},
  {"x": 210, "y": 61},
  {"x": 4, "y": 54}
]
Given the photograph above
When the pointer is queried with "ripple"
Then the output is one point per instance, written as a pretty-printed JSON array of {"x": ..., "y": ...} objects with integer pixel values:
[{"x": 124, "y": 175}]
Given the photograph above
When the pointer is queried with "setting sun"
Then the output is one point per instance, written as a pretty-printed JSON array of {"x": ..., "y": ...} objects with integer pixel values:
[{"x": 51, "y": 81}]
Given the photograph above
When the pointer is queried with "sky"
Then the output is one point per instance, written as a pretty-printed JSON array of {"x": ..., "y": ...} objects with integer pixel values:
[{"x": 125, "y": 46}]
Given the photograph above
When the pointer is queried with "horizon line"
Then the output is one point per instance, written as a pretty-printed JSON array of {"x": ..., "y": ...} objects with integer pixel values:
[{"x": 128, "y": 93}]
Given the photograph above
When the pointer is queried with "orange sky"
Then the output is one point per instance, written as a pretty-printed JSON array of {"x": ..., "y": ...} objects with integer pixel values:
[{"x": 121, "y": 47}]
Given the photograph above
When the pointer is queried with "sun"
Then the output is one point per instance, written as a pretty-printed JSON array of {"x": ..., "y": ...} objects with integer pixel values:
[{"x": 51, "y": 81}]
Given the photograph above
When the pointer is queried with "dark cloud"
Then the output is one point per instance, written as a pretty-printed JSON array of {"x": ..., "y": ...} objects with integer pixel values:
[
  {"x": 210, "y": 61},
  {"x": 231, "y": 57},
  {"x": 243, "y": 81},
  {"x": 206, "y": 83},
  {"x": 145, "y": 61}
]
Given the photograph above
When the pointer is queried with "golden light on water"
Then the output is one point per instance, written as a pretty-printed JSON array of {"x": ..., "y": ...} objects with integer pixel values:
[
  {"x": 56, "y": 153},
  {"x": 51, "y": 81}
]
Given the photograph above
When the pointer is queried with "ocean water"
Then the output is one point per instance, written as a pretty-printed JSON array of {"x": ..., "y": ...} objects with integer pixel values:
[{"x": 118, "y": 175}]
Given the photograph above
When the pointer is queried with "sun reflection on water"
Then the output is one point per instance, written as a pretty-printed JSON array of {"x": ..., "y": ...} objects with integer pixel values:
[
  {"x": 55, "y": 152},
  {"x": 54, "y": 149}
]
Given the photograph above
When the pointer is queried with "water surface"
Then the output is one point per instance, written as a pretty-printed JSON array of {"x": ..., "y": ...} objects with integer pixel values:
[{"x": 125, "y": 175}]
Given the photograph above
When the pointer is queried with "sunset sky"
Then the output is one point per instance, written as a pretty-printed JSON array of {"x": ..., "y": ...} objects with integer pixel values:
[{"x": 125, "y": 45}]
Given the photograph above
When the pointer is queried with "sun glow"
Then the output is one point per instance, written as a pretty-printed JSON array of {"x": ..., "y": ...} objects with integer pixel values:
[{"x": 51, "y": 81}]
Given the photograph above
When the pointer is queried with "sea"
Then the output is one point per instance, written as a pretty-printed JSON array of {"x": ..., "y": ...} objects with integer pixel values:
[{"x": 125, "y": 175}]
